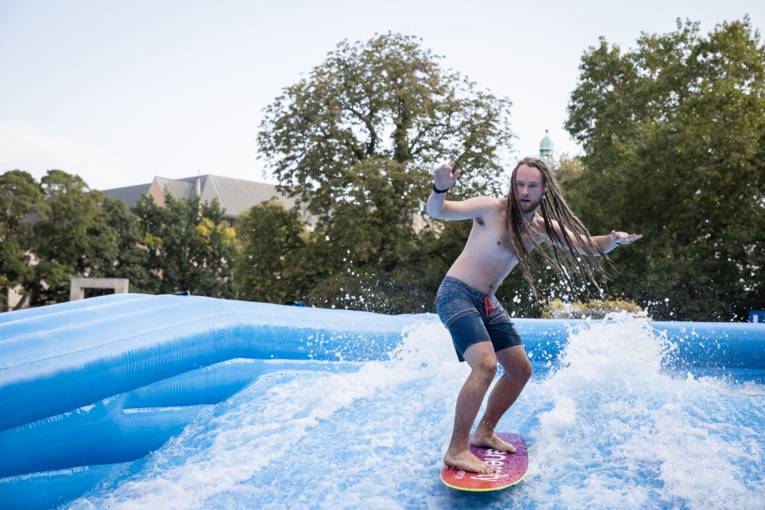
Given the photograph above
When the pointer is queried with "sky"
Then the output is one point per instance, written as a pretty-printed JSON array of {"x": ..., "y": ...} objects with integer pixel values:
[{"x": 121, "y": 91}]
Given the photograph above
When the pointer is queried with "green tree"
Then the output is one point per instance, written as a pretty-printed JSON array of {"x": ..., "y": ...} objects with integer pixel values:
[
  {"x": 271, "y": 243},
  {"x": 132, "y": 256},
  {"x": 21, "y": 201},
  {"x": 58, "y": 229},
  {"x": 674, "y": 139},
  {"x": 190, "y": 246},
  {"x": 355, "y": 141},
  {"x": 70, "y": 237}
]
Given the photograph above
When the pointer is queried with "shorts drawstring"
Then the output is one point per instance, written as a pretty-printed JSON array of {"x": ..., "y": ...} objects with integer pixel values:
[{"x": 487, "y": 306}]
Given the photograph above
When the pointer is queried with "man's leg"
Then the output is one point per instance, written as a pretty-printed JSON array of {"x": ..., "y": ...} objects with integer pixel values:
[
  {"x": 517, "y": 373},
  {"x": 482, "y": 360}
]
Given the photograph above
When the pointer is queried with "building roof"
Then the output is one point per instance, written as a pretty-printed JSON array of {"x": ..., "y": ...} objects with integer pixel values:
[
  {"x": 234, "y": 195},
  {"x": 129, "y": 194},
  {"x": 178, "y": 188},
  {"x": 238, "y": 195}
]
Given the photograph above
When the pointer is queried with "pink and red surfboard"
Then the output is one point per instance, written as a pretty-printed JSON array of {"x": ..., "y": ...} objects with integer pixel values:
[{"x": 509, "y": 468}]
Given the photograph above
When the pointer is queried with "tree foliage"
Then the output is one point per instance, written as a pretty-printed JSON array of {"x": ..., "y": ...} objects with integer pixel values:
[
  {"x": 58, "y": 228},
  {"x": 72, "y": 237},
  {"x": 674, "y": 147},
  {"x": 190, "y": 246},
  {"x": 674, "y": 139},
  {"x": 270, "y": 259},
  {"x": 20, "y": 202},
  {"x": 355, "y": 141},
  {"x": 132, "y": 255}
]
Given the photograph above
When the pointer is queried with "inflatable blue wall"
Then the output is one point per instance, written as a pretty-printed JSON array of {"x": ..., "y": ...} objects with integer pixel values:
[{"x": 90, "y": 384}]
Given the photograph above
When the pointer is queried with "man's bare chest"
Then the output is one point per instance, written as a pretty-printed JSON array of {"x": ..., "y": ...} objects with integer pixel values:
[
  {"x": 496, "y": 237},
  {"x": 493, "y": 237}
]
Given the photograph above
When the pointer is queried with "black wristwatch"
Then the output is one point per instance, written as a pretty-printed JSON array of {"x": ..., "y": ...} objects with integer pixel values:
[{"x": 439, "y": 190}]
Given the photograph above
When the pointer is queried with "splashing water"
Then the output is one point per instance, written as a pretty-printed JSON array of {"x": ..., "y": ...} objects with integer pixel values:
[
  {"x": 620, "y": 431},
  {"x": 608, "y": 428}
]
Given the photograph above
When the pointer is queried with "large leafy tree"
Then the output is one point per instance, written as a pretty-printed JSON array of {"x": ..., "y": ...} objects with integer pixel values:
[
  {"x": 270, "y": 262},
  {"x": 72, "y": 237},
  {"x": 190, "y": 246},
  {"x": 674, "y": 139},
  {"x": 355, "y": 140},
  {"x": 21, "y": 202},
  {"x": 132, "y": 255},
  {"x": 59, "y": 228}
]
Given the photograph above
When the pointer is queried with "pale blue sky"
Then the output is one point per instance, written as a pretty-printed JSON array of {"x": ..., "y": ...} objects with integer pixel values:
[{"x": 121, "y": 91}]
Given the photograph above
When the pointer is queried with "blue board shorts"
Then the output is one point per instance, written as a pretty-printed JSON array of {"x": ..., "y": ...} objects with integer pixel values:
[{"x": 472, "y": 316}]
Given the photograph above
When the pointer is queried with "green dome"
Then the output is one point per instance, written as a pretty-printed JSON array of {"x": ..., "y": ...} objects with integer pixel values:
[
  {"x": 546, "y": 145},
  {"x": 546, "y": 148}
]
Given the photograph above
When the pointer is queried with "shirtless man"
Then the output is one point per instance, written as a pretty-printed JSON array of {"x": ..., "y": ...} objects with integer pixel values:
[{"x": 480, "y": 327}]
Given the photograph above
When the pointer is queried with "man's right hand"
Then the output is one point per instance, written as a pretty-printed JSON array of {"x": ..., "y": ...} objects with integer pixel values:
[{"x": 445, "y": 175}]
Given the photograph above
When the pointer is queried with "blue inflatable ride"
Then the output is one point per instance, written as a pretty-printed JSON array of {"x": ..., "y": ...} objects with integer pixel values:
[{"x": 180, "y": 402}]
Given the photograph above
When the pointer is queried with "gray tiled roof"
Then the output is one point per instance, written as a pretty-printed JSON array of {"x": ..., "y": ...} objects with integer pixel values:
[
  {"x": 178, "y": 188},
  {"x": 234, "y": 195},
  {"x": 129, "y": 194}
]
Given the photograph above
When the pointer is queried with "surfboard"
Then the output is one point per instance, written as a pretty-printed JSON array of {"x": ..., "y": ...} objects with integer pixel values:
[{"x": 509, "y": 468}]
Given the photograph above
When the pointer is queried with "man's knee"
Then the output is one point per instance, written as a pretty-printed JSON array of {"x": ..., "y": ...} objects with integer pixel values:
[
  {"x": 525, "y": 371},
  {"x": 482, "y": 360},
  {"x": 517, "y": 367},
  {"x": 485, "y": 367}
]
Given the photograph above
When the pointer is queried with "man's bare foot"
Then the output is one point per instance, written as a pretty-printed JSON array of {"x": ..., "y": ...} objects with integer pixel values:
[
  {"x": 491, "y": 440},
  {"x": 467, "y": 461}
]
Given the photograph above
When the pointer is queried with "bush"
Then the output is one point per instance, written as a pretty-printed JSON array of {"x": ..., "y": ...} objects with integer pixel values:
[{"x": 595, "y": 309}]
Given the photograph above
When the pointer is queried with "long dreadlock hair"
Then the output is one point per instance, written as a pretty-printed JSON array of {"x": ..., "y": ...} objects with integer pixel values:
[{"x": 575, "y": 268}]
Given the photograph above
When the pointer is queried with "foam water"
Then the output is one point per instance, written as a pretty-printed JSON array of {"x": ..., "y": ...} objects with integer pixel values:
[
  {"x": 621, "y": 431},
  {"x": 608, "y": 427}
]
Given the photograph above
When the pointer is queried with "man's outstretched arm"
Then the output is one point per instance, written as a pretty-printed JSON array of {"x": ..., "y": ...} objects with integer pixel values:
[
  {"x": 438, "y": 207},
  {"x": 606, "y": 243}
]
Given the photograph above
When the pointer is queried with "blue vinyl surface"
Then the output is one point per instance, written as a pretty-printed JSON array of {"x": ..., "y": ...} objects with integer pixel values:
[{"x": 89, "y": 388}]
